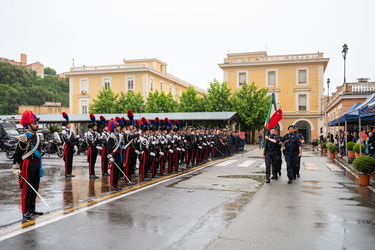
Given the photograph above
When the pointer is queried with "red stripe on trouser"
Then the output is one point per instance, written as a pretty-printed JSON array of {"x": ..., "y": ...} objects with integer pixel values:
[
  {"x": 111, "y": 174},
  {"x": 89, "y": 155},
  {"x": 187, "y": 156},
  {"x": 176, "y": 157},
  {"x": 170, "y": 162},
  {"x": 153, "y": 172},
  {"x": 102, "y": 158},
  {"x": 142, "y": 165},
  {"x": 161, "y": 164},
  {"x": 127, "y": 154},
  {"x": 23, "y": 184},
  {"x": 65, "y": 158}
]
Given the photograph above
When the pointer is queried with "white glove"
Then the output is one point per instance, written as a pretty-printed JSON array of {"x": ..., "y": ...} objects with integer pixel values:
[
  {"x": 171, "y": 151},
  {"x": 99, "y": 148},
  {"x": 152, "y": 154},
  {"x": 16, "y": 169},
  {"x": 137, "y": 152},
  {"x": 200, "y": 147},
  {"x": 183, "y": 150},
  {"x": 153, "y": 142},
  {"x": 184, "y": 140},
  {"x": 179, "y": 149},
  {"x": 111, "y": 159},
  {"x": 162, "y": 143},
  {"x": 204, "y": 144},
  {"x": 161, "y": 153}
]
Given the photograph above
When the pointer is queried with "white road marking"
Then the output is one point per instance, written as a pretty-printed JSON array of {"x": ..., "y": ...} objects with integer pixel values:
[
  {"x": 246, "y": 164},
  {"x": 225, "y": 163}
]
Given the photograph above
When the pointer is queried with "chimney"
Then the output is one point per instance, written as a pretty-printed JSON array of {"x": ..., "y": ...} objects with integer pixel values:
[{"x": 23, "y": 59}]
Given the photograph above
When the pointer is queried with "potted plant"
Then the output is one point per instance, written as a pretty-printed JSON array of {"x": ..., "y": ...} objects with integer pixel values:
[
  {"x": 349, "y": 147},
  {"x": 359, "y": 148},
  {"x": 365, "y": 165},
  {"x": 332, "y": 149},
  {"x": 324, "y": 148}
]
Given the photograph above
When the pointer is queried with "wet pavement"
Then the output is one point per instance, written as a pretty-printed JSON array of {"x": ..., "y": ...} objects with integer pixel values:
[{"x": 220, "y": 205}]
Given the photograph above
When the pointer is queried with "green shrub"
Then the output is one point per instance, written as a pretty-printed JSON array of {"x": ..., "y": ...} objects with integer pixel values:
[
  {"x": 364, "y": 164},
  {"x": 350, "y": 145},
  {"x": 356, "y": 148},
  {"x": 333, "y": 148},
  {"x": 324, "y": 145}
]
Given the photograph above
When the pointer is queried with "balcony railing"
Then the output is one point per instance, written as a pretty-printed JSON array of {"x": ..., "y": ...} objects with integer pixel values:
[
  {"x": 109, "y": 67},
  {"x": 252, "y": 58}
]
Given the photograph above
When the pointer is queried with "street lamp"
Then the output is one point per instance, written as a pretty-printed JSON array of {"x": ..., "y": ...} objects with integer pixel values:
[
  {"x": 344, "y": 52},
  {"x": 328, "y": 81}
]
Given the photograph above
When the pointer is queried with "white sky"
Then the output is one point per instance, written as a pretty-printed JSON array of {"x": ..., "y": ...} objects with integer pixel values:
[{"x": 192, "y": 37}]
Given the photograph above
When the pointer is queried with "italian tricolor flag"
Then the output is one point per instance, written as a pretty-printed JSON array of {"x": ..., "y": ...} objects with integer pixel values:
[{"x": 277, "y": 115}]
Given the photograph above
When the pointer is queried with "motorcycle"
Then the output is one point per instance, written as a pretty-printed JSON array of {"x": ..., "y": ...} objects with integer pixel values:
[
  {"x": 10, "y": 148},
  {"x": 81, "y": 144},
  {"x": 53, "y": 146}
]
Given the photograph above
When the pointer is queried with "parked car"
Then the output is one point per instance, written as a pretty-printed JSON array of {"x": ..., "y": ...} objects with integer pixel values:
[{"x": 8, "y": 132}]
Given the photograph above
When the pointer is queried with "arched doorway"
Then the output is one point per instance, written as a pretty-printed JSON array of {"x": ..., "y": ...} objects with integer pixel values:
[{"x": 305, "y": 129}]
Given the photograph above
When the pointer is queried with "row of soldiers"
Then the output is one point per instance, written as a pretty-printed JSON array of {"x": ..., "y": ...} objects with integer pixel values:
[{"x": 157, "y": 148}]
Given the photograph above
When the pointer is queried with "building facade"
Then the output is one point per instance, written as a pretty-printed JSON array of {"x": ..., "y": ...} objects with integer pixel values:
[
  {"x": 48, "y": 108},
  {"x": 141, "y": 76},
  {"x": 345, "y": 97},
  {"x": 37, "y": 66},
  {"x": 296, "y": 79}
]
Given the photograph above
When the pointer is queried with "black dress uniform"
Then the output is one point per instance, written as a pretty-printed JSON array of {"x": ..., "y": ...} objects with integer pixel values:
[
  {"x": 292, "y": 145},
  {"x": 69, "y": 140},
  {"x": 271, "y": 153},
  {"x": 27, "y": 163}
]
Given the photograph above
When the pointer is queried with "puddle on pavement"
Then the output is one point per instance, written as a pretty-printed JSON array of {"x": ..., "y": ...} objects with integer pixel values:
[
  {"x": 234, "y": 208},
  {"x": 184, "y": 178},
  {"x": 312, "y": 182},
  {"x": 312, "y": 187}
]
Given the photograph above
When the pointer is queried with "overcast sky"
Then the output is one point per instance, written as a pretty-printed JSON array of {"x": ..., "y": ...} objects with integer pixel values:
[{"x": 192, "y": 37}]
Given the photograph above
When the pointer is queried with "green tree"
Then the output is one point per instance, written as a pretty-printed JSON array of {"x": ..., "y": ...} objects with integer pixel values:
[
  {"x": 105, "y": 102},
  {"x": 129, "y": 101},
  {"x": 189, "y": 101},
  {"x": 10, "y": 99},
  {"x": 160, "y": 103},
  {"x": 49, "y": 71},
  {"x": 218, "y": 98},
  {"x": 252, "y": 105}
]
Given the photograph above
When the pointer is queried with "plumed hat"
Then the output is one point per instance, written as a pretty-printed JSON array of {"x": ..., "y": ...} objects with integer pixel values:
[
  {"x": 112, "y": 124},
  {"x": 130, "y": 115},
  {"x": 28, "y": 117},
  {"x": 66, "y": 117},
  {"x": 157, "y": 121},
  {"x": 93, "y": 121},
  {"x": 103, "y": 122}
]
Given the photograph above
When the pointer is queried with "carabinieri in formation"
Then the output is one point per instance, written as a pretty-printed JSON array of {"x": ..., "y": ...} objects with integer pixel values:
[{"x": 161, "y": 148}]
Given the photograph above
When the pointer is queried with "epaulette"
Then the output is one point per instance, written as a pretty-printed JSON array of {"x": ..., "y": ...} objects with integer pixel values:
[
  {"x": 23, "y": 138},
  {"x": 113, "y": 136}
]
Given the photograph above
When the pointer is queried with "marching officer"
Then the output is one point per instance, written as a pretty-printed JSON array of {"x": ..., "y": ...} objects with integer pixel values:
[
  {"x": 69, "y": 140},
  {"x": 302, "y": 139},
  {"x": 27, "y": 163},
  {"x": 270, "y": 154},
  {"x": 293, "y": 150},
  {"x": 92, "y": 138}
]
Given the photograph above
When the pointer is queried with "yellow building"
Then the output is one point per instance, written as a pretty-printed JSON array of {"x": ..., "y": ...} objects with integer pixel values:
[
  {"x": 297, "y": 81},
  {"x": 48, "y": 108},
  {"x": 141, "y": 76}
]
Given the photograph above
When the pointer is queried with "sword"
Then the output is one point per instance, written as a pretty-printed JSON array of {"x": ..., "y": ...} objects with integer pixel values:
[
  {"x": 122, "y": 172},
  {"x": 219, "y": 151},
  {"x": 34, "y": 190}
]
